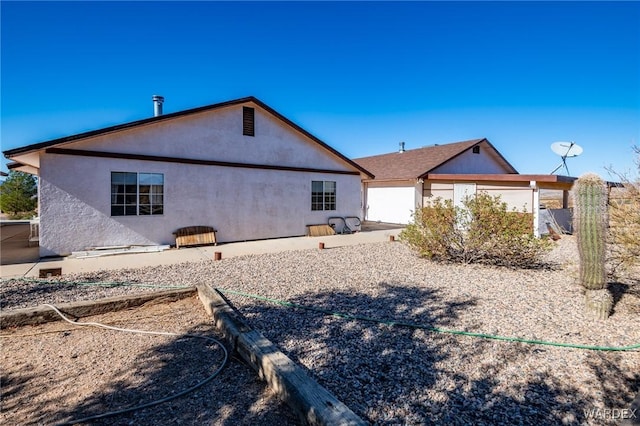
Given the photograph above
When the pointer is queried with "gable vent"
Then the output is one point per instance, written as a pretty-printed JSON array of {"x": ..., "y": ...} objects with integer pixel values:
[
  {"x": 248, "y": 121},
  {"x": 476, "y": 149}
]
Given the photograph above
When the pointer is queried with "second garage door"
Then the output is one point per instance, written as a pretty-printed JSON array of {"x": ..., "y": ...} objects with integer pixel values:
[{"x": 392, "y": 205}]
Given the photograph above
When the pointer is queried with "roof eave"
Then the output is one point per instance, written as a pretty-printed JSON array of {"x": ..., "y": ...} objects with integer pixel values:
[
  {"x": 11, "y": 153},
  {"x": 312, "y": 137},
  {"x": 504, "y": 177},
  {"x": 106, "y": 130}
]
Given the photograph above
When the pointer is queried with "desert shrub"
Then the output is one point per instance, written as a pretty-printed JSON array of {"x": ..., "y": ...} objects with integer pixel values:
[
  {"x": 432, "y": 231},
  {"x": 624, "y": 222},
  {"x": 483, "y": 231}
]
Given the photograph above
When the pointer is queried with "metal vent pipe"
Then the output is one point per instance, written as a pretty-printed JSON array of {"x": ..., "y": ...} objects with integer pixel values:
[{"x": 157, "y": 105}]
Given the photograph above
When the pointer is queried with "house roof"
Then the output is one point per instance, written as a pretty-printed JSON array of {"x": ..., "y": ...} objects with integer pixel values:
[
  {"x": 417, "y": 163},
  {"x": 14, "y": 153}
]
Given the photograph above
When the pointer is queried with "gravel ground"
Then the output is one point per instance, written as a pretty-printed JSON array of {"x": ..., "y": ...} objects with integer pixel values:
[
  {"x": 65, "y": 372},
  {"x": 391, "y": 375}
]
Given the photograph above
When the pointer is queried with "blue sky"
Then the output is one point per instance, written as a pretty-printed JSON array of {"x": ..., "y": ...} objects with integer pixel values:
[{"x": 361, "y": 76}]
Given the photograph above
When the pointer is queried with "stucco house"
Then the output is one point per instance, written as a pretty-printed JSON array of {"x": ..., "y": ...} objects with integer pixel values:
[
  {"x": 238, "y": 166},
  {"x": 407, "y": 179}
]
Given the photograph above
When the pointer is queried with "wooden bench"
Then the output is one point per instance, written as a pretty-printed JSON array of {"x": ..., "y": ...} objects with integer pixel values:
[
  {"x": 320, "y": 230},
  {"x": 195, "y": 235}
]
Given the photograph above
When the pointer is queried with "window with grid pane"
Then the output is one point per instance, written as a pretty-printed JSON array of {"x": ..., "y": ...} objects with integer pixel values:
[
  {"x": 323, "y": 195},
  {"x": 134, "y": 194},
  {"x": 151, "y": 193}
]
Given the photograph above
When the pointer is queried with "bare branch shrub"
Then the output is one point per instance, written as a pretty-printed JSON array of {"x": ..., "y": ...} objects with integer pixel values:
[{"x": 624, "y": 221}]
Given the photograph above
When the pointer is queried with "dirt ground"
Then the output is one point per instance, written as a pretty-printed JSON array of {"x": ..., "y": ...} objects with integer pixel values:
[{"x": 57, "y": 372}]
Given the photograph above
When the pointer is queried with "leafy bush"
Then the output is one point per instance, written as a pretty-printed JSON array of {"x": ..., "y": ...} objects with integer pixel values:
[{"x": 483, "y": 231}]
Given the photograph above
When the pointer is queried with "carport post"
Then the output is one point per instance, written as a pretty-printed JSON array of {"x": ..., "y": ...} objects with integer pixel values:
[{"x": 536, "y": 207}]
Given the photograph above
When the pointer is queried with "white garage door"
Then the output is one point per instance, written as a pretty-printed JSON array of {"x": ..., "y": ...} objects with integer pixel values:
[{"x": 392, "y": 205}]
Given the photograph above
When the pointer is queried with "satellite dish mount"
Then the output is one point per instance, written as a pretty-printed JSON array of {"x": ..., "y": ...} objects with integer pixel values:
[{"x": 565, "y": 150}]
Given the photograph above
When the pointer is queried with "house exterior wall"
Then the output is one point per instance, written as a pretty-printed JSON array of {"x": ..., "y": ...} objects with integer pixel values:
[
  {"x": 470, "y": 163},
  {"x": 517, "y": 196},
  {"x": 240, "y": 203},
  {"x": 217, "y": 135},
  {"x": 394, "y": 201},
  {"x": 433, "y": 190}
]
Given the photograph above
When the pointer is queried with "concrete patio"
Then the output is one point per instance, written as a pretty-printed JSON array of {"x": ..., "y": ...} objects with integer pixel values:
[{"x": 20, "y": 260}]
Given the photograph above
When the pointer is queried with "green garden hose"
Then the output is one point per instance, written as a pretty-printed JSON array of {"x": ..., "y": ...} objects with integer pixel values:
[
  {"x": 198, "y": 385},
  {"x": 430, "y": 328},
  {"x": 374, "y": 320}
]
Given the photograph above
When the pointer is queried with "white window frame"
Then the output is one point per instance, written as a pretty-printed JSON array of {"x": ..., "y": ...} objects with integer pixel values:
[
  {"x": 329, "y": 197},
  {"x": 156, "y": 198}
]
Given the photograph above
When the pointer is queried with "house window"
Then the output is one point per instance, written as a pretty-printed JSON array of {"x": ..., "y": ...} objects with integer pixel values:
[
  {"x": 137, "y": 194},
  {"x": 476, "y": 150},
  {"x": 248, "y": 122},
  {"x": 323, "y": 195}
]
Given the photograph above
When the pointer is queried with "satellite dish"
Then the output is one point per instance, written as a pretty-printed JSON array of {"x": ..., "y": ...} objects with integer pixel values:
[{"x": 565, "y": 150}]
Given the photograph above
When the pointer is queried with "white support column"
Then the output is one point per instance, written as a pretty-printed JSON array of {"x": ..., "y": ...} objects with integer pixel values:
[
  {"x": 364, "y": 199},
  {"x": 418, "y": 195},
  {"x": 535, "y": 208}
]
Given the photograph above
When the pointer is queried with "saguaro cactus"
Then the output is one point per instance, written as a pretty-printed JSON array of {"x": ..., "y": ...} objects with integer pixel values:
[{"x": 590, "y": 226}]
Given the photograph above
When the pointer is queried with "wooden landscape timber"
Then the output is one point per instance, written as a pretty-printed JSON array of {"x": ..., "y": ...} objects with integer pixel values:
[
  {"x": 42, "y": 314},
  {"x": 310, "y": 401}
]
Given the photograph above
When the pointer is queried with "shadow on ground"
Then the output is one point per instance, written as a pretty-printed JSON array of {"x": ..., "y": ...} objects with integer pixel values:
[
  {"x": 631, "y": 288},
  {"x": 403, "y": 375},
  {"x": 234, "y": 397}
]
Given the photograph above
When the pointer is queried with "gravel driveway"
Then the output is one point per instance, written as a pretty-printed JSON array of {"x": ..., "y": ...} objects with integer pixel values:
[{"x": 406, "y": 375}]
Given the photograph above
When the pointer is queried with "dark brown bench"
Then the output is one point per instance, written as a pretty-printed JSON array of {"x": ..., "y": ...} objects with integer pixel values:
[{"x": 195, "y": 235}]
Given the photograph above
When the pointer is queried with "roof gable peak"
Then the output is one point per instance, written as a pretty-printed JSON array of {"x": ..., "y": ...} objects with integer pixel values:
[
  {"x": 418, "y": 162},
  {"x": 13, "y": 153}
]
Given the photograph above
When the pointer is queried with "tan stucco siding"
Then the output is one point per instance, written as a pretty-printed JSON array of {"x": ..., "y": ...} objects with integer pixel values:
[
  {"x": 469, "y": 163},
  {"x": 242, "y": 204},
  {"x": 516, "y": 196},
  {"x": 217, "y": 135},
  {"x": 433, "y": 190}
]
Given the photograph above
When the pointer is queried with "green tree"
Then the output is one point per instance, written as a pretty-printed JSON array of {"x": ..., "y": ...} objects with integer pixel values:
[{"x": 18, "y": 194}]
